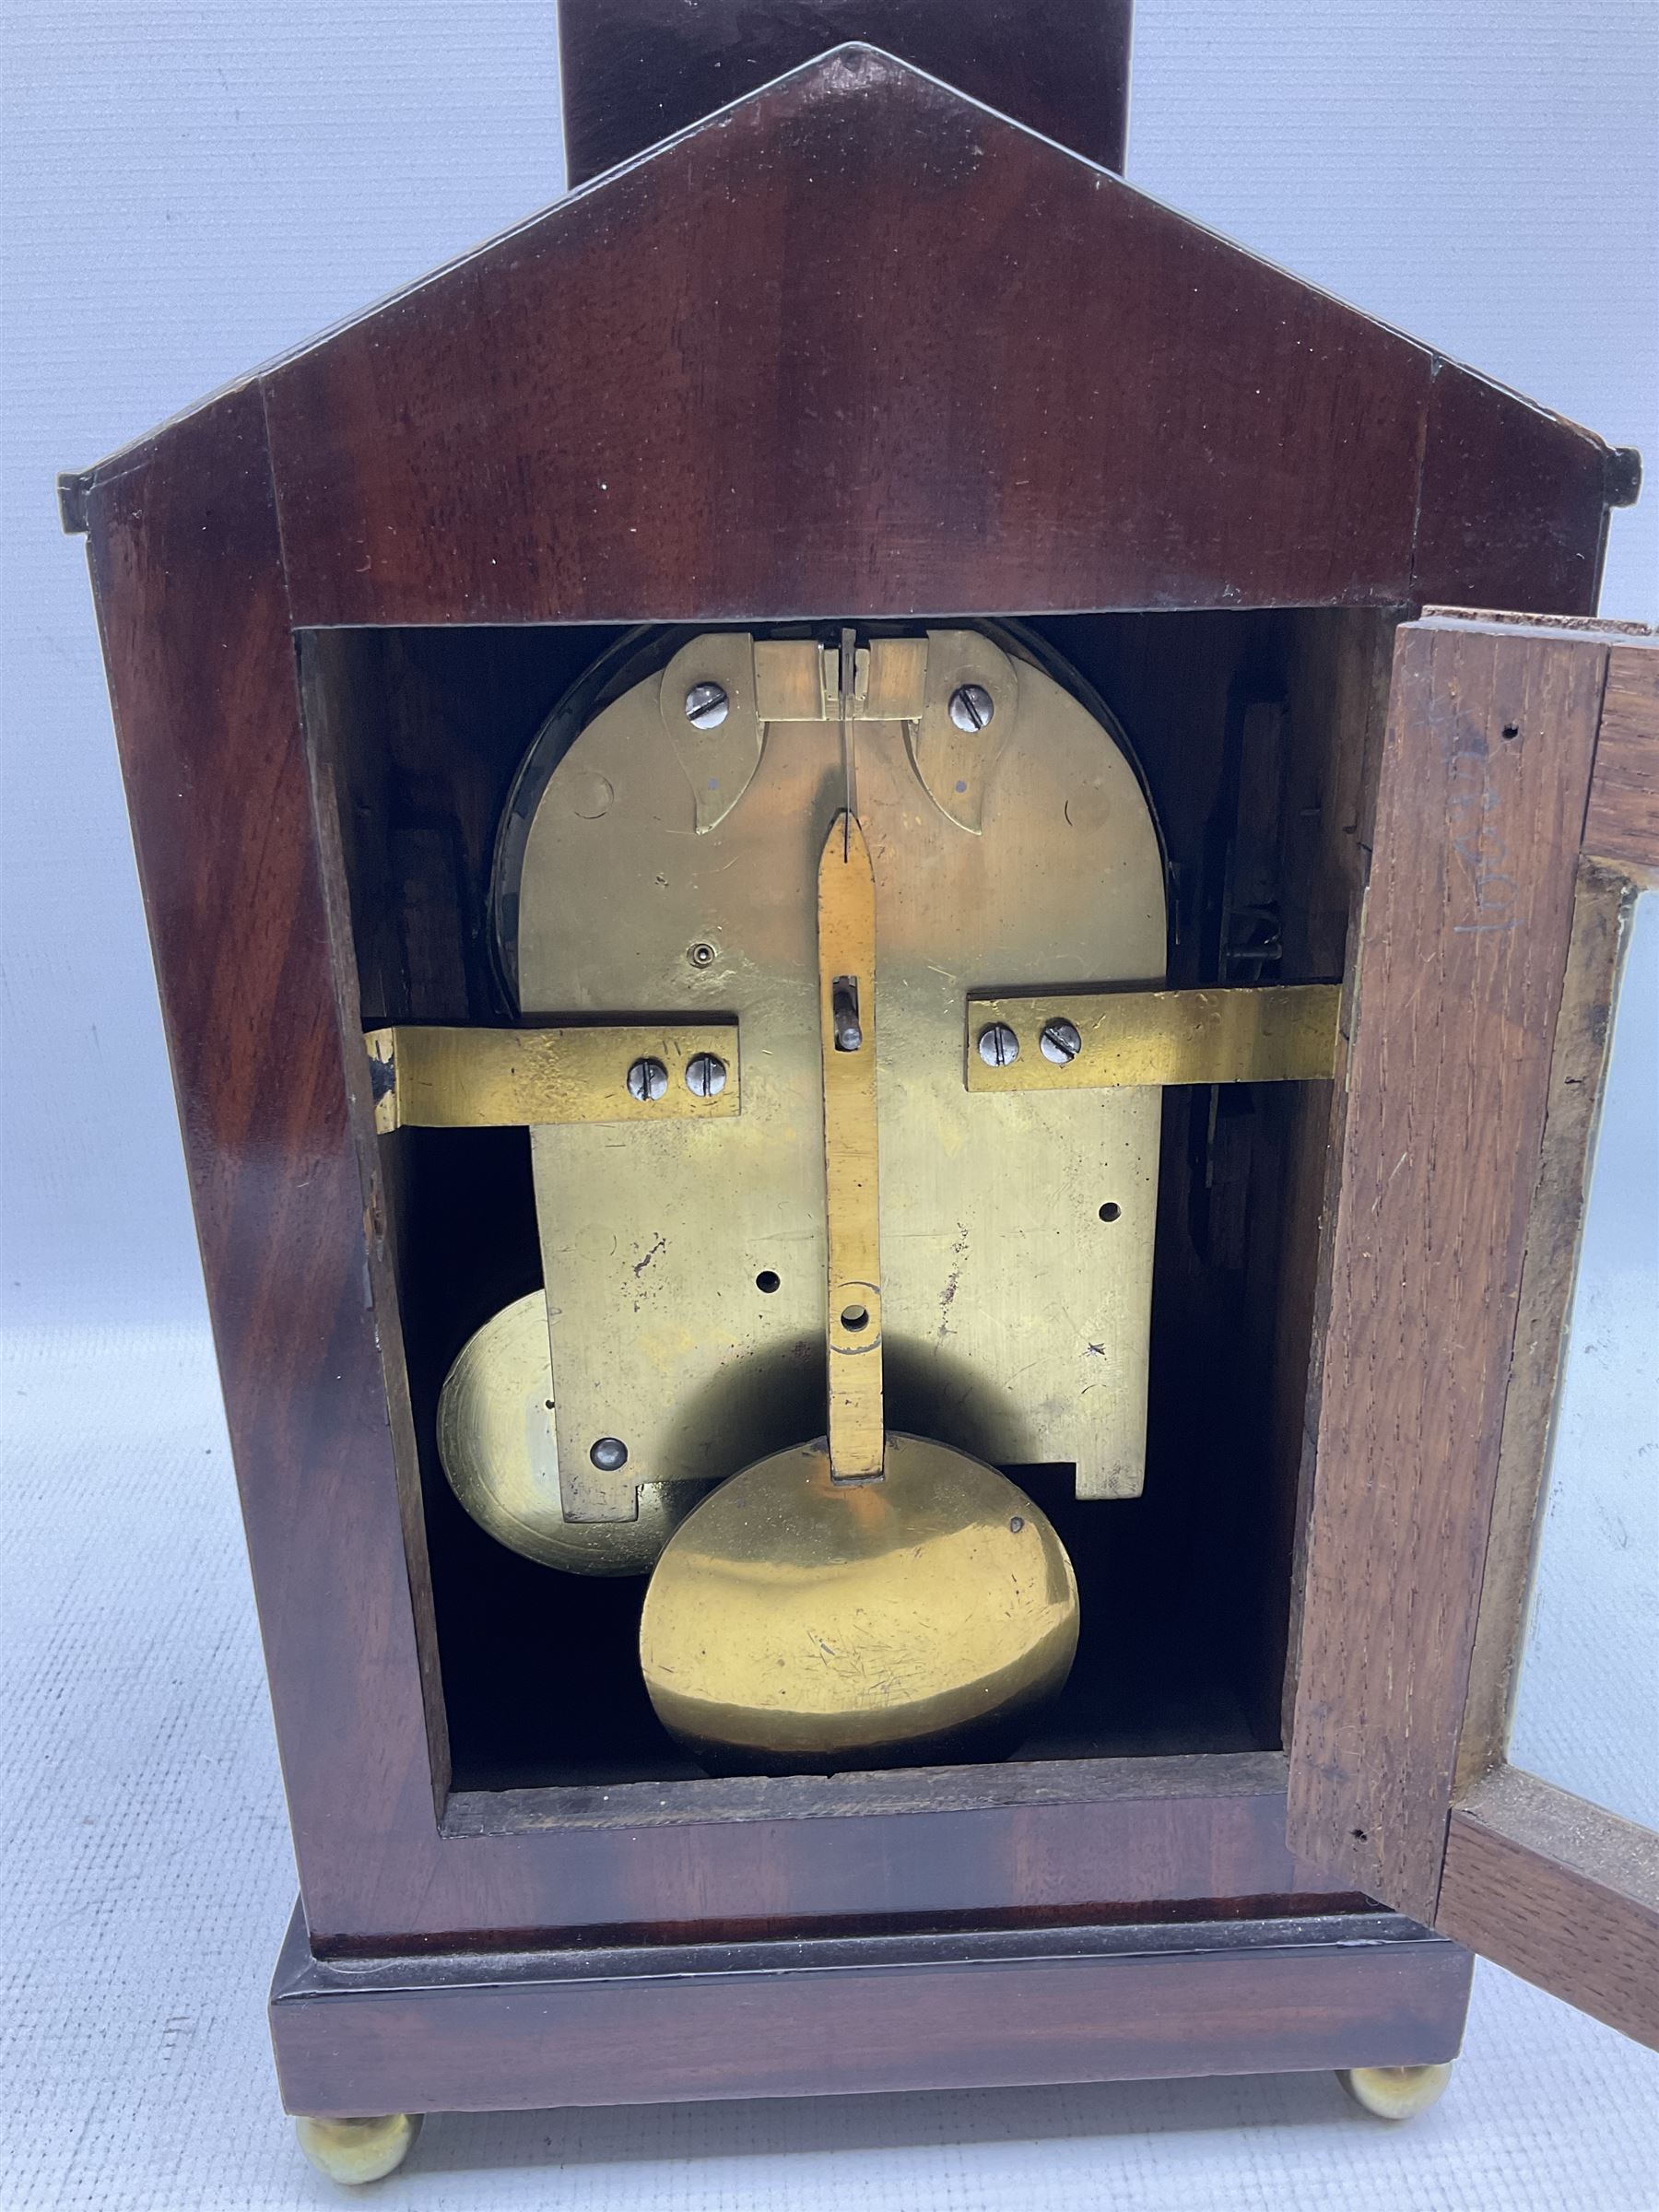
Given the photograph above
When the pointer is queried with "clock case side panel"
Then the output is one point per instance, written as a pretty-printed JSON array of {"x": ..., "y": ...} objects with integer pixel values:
[{"x": 187, "y": 573}]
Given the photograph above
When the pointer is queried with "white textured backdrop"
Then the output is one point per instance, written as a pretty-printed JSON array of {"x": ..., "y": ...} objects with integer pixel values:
[{"x": 191, "y": 185}]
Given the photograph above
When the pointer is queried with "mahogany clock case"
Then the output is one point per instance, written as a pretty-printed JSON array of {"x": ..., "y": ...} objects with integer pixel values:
[{"x": 338, "y": 601}]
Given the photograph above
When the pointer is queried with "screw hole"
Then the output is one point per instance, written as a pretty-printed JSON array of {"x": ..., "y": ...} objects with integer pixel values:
[
  {"x": 1511, "y": 729},
  {"x": 766, "y": 1280},
  {"x": 855, "y": 1318},
  {"x": 1111, "y": 1211}
]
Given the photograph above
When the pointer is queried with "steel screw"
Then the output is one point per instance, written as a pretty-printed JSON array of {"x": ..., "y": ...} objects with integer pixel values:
[
  {"x": 608, "y": 1454},
  {"x": 647, "y": 1081},
  {"x": 1061, "y": 1043},
  {"x": 998, "y": 1046},
  {"x": 705, "y": 1075},
  {"x": 707, "y": 706},
  {"x": 971, "y": 706}
]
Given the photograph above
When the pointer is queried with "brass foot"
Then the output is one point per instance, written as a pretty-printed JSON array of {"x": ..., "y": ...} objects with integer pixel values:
[
  {"x": 1394, "y": 2092},
  {"x": 357, "y": 2150}
]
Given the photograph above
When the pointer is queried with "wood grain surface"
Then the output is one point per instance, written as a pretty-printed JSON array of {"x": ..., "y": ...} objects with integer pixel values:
[
  {"x": 1485, "y": 771},
  {"x": 665, "y": 399},
  {"x": 1496, "y": 479},
  {"x": 661, "y": 399},
  {"x": 632, "y": 71},
  {"x": 1563, "y": 1893},
  {"x": 1622, "y": 824},
  {"x": 1602, "y": 903},
  {"x": 964, "y": 2011},
  {"x": 237, "y": 869},
  {"x": 188, "y": 575}
]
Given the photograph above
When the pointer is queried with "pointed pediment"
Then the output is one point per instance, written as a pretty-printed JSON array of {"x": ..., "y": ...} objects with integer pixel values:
[{"x": 859, "y": 345}]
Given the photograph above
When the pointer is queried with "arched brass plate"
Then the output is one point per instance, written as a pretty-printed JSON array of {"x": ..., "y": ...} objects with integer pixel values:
[
  {"x": 685, "y": 1263},
  {"x": 796, "y": 1624},
  {"x": 495, "y": 1438}
]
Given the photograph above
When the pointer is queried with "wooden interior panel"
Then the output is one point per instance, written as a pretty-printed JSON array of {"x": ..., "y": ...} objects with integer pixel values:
[
  {"x": 1484, "y": 772},
  {"x": 1602, "y": 910},
  {"x": 1622, "y": 823}
]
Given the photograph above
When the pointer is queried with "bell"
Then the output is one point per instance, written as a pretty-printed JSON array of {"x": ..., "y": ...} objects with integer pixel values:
[{"x": 496, "y": 1440}]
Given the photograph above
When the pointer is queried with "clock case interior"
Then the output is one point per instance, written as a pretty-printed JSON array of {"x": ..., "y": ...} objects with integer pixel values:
[{"x": 1255, "y": 733}]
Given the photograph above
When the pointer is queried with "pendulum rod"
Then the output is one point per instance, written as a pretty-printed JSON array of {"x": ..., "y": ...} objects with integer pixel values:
[{"x": 846, "y": 944}]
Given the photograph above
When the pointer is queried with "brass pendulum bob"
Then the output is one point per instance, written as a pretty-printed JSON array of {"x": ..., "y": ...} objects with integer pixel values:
[{"x": 869, "y": 1599}]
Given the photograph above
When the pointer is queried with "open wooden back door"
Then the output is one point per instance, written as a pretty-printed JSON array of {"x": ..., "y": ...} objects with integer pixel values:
[{"x": 1517, "y": 813}]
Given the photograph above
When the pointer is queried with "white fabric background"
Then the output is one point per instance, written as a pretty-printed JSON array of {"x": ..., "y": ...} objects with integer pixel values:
[{"x": 191, "y": 185}]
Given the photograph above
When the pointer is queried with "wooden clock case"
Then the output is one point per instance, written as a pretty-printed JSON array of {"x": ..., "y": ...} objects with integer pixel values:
[{"x": 858, "y": 348}]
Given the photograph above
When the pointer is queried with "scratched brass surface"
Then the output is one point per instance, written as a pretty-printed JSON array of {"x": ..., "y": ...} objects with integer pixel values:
[
  {"x": 481, "y": 1078},
  {"x": 1254, "y": 1033},
  {"x": 495, "y": 1438},
  {"x": 846, "y": 965},
  {"x": 1015, "y": 1321},
  {"x": 797, "y": 1623}
]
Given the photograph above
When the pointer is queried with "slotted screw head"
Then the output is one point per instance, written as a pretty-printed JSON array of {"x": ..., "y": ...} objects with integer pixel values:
[
  {"x": 705, "y": 1075},
  {"x": 707, "y": 706},
  {"x": 971, "y": 707},
  {"x": 647, "y": 1079},
  {"x": 1061, "y": 1041},
  {"x": 998, "y": 1046}
]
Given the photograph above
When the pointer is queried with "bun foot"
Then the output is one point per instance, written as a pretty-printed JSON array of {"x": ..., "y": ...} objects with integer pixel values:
[
  {"x": 357, "y": 2150},
  {"x": 1394, "y": 2092}
]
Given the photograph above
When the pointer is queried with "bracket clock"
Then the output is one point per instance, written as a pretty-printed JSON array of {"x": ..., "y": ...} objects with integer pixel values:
[{"x": 888, "y": 1043}]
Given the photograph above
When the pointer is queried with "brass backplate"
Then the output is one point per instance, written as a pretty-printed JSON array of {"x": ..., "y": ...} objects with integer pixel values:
[{"x": 684, "y": 1265}]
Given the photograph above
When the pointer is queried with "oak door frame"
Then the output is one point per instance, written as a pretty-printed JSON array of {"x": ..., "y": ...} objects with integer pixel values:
[{"x": 1517, "y": 812}]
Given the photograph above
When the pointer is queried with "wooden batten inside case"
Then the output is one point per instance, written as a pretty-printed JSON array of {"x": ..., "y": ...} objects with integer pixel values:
[{"x": 1106, "y": 1289}]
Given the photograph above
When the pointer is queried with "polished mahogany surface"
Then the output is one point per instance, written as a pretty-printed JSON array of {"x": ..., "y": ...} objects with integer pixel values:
[
  {"x": 737, "y": 379},
  {"x": 634, "y": 71},
  {"x": 976, "y": 2009},
  {"x": 859, "y": 347}
]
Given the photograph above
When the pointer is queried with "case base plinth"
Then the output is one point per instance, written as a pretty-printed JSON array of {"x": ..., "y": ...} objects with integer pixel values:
[{"x": 664, "y": 2022}]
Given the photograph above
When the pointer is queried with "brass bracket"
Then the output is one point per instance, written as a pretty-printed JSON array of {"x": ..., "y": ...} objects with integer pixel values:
[
  {"x": 1089, "y": 1039},
  {"x": 479, "y": 1078}
]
